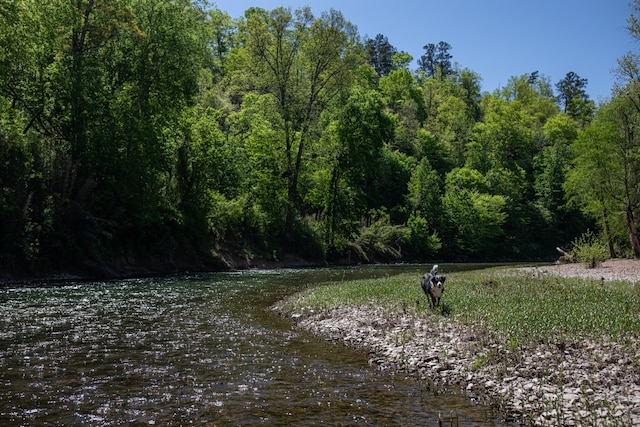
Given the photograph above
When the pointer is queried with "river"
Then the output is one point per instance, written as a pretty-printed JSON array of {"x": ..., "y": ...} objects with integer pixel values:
[{"x": 201, "y": 350}]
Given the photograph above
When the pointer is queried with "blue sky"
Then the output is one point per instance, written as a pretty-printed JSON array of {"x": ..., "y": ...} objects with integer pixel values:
[{"x": 495, "y": 38}]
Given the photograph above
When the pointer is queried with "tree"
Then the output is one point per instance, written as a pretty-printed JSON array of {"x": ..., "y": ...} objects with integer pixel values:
[
  {"x": 131, "y": 129},
  {"x": 627, "y": 109},
  {"x": 452, "y": 108},
  {"x": 399, "y": 87},
  {"x": 56, "y": 86},
  {"x": 503, "y": 148},
  {"x": 356, "y": 136},
  {"x": 222, "y": 38},
  {"x": 453, "y": 126},
  {"x": 436, "y": 61},
  {"x": 303, "y": 62},
  {"x": 153, "y": 68},
  {"x": 553, "y": 161},
  {"x": 380, "y": 54},
  {"x": 533, "y": 92},
  {"x": 258, "y": 128},
  {"x": 23, "y": 178},
  {"x": 427, "y": 62},
  {"x": 562, "y": 221},
  {"x": 388, "y": 187},
  {"x": 404, "y": 98},
  {"x": 469, "y": 82},
  {"x": 573, "y": 97},
  {"x": 474, "y": 222},
  {"x": 210, "y": 175},
  {"x": 503, "y": 140},
  {"x": 425, "y": 194},
  {"x": 633, "y": 22},
  {"x": 98, "y": 88},
  {"x": 605, "y": 179}
]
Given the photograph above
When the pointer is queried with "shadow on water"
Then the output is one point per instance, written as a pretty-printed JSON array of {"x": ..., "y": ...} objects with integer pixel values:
[{"x": 200, "y": 350}]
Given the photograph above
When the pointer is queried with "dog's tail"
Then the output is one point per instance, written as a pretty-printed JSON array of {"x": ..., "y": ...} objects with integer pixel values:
[{"x": 434, "y": 270}]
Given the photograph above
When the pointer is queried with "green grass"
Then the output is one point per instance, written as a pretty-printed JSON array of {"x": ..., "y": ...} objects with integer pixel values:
[{"x": 525, "y": 308}]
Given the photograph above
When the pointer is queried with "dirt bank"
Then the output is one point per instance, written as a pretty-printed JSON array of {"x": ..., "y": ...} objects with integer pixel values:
[{"x": 567, "y": 383}]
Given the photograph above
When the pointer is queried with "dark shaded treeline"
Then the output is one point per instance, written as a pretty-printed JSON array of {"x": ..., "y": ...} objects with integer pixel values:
[{"x": 145, "y": 136}]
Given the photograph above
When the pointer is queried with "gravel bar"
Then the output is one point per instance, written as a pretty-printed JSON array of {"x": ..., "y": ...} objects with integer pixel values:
[{"x": 579, "y": 383}]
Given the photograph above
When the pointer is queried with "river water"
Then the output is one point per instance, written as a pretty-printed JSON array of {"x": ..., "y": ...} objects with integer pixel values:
[{"x": 197, "y": 351}]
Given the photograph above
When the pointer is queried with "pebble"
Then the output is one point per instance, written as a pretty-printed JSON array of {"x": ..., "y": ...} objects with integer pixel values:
[{"x": 531, "y": 382}]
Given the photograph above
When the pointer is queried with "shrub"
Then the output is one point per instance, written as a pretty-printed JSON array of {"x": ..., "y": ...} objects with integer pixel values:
[
  {"x": 379, "y": 240},
  {"x": 589, "y": 249}
]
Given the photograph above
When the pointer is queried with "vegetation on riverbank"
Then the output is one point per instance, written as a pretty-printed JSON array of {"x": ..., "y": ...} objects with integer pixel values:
[
  {"x": 545, "y": 350},
  {"x": 524, "y": 308},
  {"x": 162, "y": 135}
]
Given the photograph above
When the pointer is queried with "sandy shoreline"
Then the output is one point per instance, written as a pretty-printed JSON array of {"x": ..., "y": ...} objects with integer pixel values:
[{"x": 571, "y": 383}]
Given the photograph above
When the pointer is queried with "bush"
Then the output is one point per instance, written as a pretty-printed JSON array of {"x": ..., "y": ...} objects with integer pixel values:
[
  {"x": 589, "y": 249},
  {"x": 380, "y": 240}
]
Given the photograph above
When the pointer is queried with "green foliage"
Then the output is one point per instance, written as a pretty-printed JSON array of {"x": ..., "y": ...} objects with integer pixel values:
[
  {"x": 433, "y": 149},
  {"x": 573, "y": 96},
  {"x": 380, "y": 54},
  {"x": 425, "y": 192},
  {"x": 474, "y": 219},
  {"x": 589, "y": 249},
  {"x": 423, "y": 243},
  {"x": 466, "y": 178},
  {"x": 553, "y": 162},
  {"x": 378, "y": 239},
  {"x": 605, "y": 178},
  {"x": 523, "y": 308},
  {"x": 357, "y": 136},
  {"x": 259, "y": 130},
  {"x": 137, "y": 129},
  {"x": 436, "y": 61},
  {"x": 389, "y": 185}
]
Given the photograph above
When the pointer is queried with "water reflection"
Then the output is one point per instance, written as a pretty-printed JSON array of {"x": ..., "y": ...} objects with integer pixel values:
[{"x": 197, "y": 351}]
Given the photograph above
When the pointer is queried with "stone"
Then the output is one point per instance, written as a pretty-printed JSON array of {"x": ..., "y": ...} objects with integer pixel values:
[{"x": 527, "y": 382}]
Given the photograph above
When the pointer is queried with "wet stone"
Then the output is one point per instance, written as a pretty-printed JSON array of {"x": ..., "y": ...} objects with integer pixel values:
[{"x": 539, "y": 379}]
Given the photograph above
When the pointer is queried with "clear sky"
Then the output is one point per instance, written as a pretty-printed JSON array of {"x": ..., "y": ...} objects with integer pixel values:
[{"x": 495, "y": 38}]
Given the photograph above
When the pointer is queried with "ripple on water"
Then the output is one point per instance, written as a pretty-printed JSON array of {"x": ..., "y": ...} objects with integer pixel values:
[{"x": 175, "y": 351}]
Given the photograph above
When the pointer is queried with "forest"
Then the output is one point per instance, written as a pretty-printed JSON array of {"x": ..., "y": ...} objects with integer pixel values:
[{"x": 166, "y": 135}]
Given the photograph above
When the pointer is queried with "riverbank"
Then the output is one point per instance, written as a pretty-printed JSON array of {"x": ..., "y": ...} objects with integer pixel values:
[
  {"x": 124, "y": 269},
  {"x": 554, "y": 369}
]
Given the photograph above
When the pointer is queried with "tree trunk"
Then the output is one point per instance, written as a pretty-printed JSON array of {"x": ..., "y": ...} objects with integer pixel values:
[
  {"x": 294, "y": 173},
  {"x": 332, "y": 209},
  {"x": 633, "y": 233},
  {"x": 607, "y": 232}
]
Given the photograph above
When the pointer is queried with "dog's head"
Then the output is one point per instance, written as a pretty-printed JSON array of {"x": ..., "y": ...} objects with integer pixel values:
[{"x": 437, "y": 285}]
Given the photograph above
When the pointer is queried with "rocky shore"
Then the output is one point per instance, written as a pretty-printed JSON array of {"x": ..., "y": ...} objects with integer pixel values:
[{"x": 568, "y": 383}]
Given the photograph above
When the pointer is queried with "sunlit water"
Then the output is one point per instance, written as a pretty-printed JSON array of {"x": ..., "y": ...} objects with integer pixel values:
[{"x": 201, "y": 350}]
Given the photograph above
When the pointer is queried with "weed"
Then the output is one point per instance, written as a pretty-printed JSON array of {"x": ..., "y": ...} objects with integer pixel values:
[
  {"x": 402, "y": 338},
  {"x": 451, "y": 420},
  {"x": 479, "y": 363},
  {"x": 519, "y": 310},
  {"x": 525, "y": 309}
]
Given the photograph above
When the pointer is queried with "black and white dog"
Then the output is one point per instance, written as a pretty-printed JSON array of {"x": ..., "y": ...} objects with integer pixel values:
[{"x": 433, "y": 286}]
